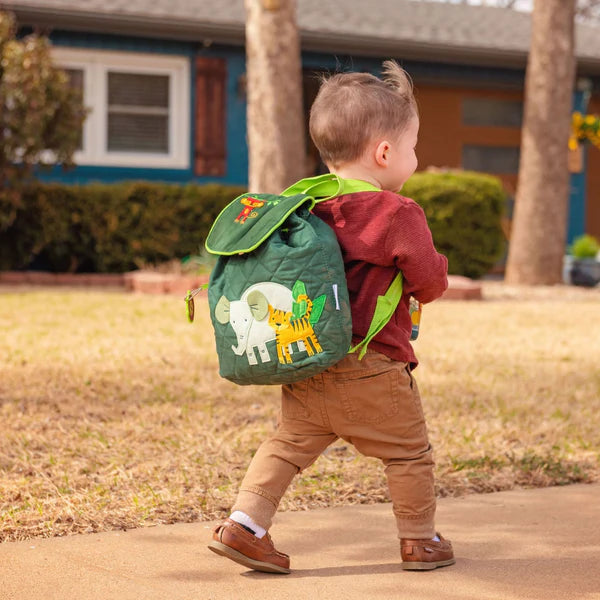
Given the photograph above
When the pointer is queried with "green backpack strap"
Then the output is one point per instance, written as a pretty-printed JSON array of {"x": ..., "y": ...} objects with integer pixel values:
[
  {"x": 384, "y": 309},
  {"x": 328, "y": 186},
  {"x": 321, "y": 187}
]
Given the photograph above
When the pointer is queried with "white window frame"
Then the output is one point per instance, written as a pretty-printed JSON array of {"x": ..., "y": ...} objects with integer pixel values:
[{"x": 96, "y": 64}]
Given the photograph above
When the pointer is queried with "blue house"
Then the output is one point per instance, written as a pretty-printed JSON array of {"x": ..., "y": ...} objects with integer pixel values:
[{"x": 165, "y": 82}]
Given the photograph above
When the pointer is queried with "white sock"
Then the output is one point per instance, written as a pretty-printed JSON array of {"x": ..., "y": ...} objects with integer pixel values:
[{"x": 243, "y": 519}]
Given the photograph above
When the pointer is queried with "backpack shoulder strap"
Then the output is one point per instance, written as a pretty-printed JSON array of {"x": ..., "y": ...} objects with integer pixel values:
[
  {"x": 384, "y": 309},
  {"x": 321, "y": 187},
  {"x": 328, "y": 186}
]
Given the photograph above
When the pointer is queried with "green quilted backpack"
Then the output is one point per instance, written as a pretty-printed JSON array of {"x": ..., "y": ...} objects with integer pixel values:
[{"x": 277, "y": 296}]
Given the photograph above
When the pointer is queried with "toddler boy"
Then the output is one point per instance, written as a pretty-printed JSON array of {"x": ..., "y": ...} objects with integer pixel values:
[{"x": 366, "y": 129}]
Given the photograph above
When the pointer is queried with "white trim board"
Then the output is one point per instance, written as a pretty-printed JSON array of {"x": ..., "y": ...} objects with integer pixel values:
[{"x": 96, "y": 64}]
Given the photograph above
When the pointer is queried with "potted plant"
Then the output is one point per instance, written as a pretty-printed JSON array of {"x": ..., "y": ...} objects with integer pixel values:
[{"x": 584, "y": 262}]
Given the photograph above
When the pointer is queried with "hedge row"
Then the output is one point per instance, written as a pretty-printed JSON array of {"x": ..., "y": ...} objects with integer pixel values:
[
  {"x": 101, "y": 228},
  {"x": 120, "y": 227},
  {"x": 464, "y": 211}
]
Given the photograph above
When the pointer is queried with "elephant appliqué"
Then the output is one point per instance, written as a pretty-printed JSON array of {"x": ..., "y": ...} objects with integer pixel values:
[{"x": 249, "y": 318}]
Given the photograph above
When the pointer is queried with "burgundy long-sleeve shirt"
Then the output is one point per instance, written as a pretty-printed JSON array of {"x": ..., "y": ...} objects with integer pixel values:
[{"x": 381, "y": 232}]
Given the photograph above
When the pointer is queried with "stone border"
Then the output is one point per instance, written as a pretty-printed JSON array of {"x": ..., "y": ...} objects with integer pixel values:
[
  {"x": 462, "y": 288},
  {"x": 147, "y": 282},
  {"x": 151, "y": 282},
  {"x": 59, "y": 279}
]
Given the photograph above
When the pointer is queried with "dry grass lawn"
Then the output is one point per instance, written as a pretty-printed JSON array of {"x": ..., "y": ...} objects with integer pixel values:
[{"x": 112, "y": 414}]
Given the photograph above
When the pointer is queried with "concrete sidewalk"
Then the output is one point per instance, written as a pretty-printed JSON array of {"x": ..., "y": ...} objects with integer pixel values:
[{"x": 533, "y": 544}]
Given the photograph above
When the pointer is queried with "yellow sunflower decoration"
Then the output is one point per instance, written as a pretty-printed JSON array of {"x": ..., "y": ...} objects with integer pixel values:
[{"x": 584, "y": 128}]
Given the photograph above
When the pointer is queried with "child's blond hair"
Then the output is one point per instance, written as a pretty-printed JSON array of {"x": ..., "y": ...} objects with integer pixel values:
[{"x": 352, "y": 109}]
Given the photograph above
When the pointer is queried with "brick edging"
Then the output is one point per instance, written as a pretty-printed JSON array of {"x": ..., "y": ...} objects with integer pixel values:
[
  {"x": 147, "y": 282},
  {"x": 150, "y": 282},
  {"x": 66, "y": 279},
  {"x": 462, "y": 288}
]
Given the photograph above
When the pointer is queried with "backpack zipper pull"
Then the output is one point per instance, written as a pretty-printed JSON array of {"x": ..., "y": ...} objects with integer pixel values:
[{"x": 189, "y": 301}]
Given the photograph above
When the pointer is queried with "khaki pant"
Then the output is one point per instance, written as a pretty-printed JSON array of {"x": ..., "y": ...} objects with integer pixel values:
[{"x": 375, "y": 405}]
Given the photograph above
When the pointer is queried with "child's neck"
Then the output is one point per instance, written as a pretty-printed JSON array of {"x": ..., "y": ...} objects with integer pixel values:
[{"x": 356, "y": 172}]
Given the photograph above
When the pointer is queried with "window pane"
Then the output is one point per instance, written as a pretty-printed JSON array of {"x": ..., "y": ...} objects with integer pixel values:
[
  {"x": 138, "y": 112},
  {"x": 75, "y": 78},
  {"x": 138, "y": 133},
  {"x": 489, "y": 112},
  {"x": 76, "y": 81},
  {"x": 134, "y": 89},
  {"x": 490, "y": 159}
]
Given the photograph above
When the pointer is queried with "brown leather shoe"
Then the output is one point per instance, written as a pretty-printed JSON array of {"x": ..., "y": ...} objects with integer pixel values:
[
  {"x": 425, "y": 555},
  {"x": 231, "y": 540}
]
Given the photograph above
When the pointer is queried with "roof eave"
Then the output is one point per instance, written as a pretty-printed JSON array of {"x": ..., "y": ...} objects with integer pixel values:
[
  {"x": 180, "y": 30},
  {"x": 234, "y": 34},
  {"x": 412, "y": 50}
]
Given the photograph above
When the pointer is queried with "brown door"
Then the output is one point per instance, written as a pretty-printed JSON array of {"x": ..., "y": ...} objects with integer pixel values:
[{"x": 472, "y": 129}]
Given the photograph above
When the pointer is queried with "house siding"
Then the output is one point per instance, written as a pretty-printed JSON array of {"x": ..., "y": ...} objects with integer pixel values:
[
  {"x": 439, "y": 87},
  {"x": 237, "y": 153}
]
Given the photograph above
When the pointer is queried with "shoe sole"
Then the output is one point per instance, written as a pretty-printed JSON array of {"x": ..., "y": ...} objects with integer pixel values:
[
  {"x": 427, "y": 566},
  {"x": 242, "y": 559}
]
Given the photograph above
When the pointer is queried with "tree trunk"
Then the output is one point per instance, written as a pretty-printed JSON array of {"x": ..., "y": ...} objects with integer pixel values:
[
  {"x": 276, "y": 143},
  {"x": 538, "y": 237}
]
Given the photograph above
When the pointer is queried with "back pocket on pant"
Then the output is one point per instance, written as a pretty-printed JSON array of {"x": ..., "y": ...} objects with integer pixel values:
[
  {"x": 371, "y": 399},
  {"x": 294, "y": 401}
]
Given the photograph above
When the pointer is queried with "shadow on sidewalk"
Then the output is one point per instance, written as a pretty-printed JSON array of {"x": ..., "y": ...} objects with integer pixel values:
[{"x": 382, "y": 569}]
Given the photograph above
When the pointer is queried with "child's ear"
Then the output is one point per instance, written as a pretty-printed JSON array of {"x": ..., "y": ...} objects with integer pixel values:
[{"x": 382, "y": 153}]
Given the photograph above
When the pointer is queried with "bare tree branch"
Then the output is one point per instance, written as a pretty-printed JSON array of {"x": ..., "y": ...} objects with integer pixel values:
[{"x": 586, "y": 10}]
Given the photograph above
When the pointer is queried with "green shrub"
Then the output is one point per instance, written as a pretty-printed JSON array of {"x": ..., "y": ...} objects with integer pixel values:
[
  {"x": 110, "y": 228},
  {"x": 585, "y": 246},
  {"x": 119, "y": 227},
  {"x": 464, "y": 211}
]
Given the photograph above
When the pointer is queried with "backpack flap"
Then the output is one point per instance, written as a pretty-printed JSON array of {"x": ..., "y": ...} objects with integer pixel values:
[{"x": 244, "y": 224}]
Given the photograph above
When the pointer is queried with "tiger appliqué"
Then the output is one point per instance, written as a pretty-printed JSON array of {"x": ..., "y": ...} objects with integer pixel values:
[{"x": 288, "y": 330}]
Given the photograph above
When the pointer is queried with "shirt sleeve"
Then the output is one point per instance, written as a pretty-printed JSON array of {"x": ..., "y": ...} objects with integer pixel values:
[{"x": 410, "y": 243}]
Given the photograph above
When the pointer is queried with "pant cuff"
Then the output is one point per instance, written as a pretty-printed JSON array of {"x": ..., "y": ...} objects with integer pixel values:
[
  {"x": 416, "y": 527},
  {"x": 257, "y": 505}
]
